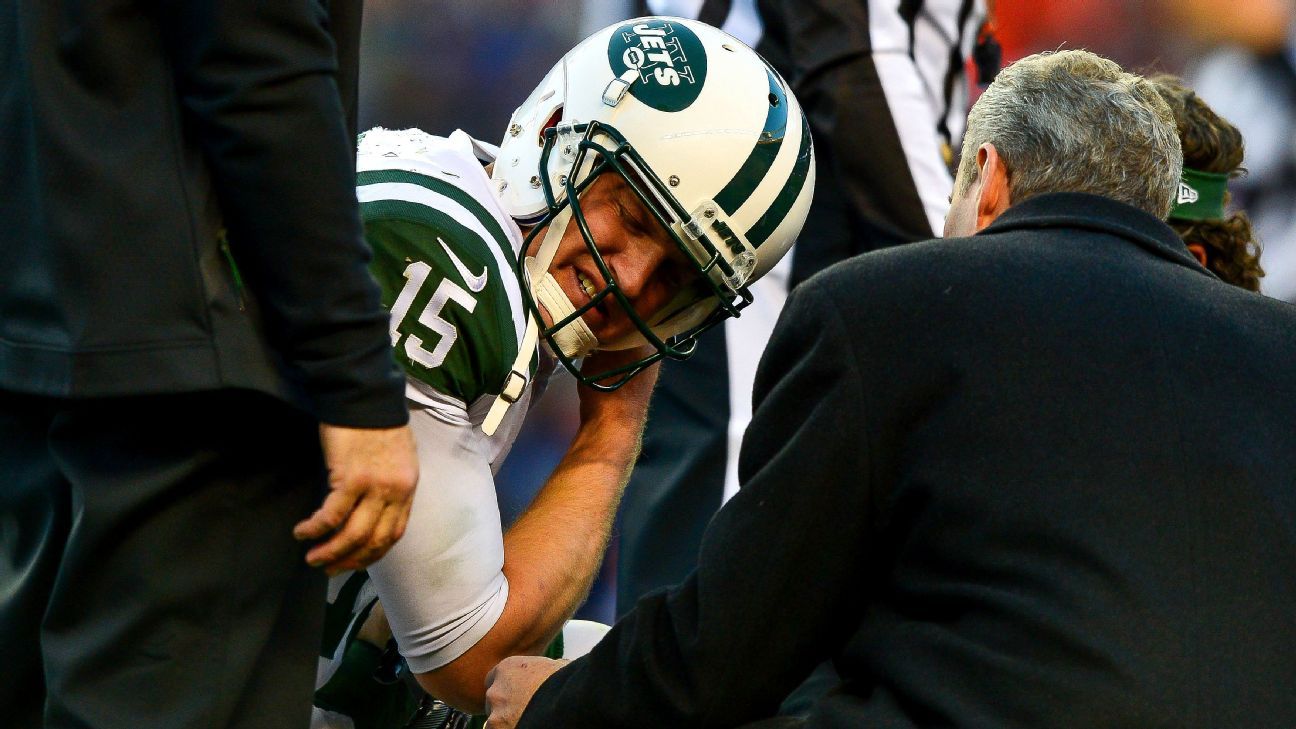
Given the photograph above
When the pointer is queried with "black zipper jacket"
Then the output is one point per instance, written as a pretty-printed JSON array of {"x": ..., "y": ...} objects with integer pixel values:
[{"x": 136, "y": 139}]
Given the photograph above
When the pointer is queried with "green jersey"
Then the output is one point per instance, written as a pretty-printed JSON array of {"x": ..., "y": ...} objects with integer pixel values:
[{"x": 445, "y": 254}]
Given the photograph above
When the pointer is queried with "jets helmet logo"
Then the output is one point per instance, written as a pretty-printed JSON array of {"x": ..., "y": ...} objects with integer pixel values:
[{"x": 668, "y": 58}]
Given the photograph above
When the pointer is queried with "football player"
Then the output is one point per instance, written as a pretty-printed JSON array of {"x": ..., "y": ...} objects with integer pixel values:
[{"x": 657, "y": 171}]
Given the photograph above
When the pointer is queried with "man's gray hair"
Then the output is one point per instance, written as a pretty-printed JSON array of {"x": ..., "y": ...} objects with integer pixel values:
[{"x": 1072, "y": 121}]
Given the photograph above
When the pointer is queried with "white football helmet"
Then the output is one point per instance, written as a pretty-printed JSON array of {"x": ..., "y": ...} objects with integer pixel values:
[{"x": 705, "y": 133}]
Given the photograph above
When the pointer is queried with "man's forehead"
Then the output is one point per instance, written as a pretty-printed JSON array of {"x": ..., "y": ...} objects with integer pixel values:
[{"x": 610, "y": 184}]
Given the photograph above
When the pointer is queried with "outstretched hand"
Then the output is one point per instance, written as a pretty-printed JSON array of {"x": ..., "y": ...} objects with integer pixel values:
[
  {"x": 372, "y": 474},
  {"x": 511, "y": 684}
]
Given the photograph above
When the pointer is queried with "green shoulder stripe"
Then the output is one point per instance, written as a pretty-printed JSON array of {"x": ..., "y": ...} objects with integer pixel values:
[
  {"x": 449, "y": 190},
  {"x": 453, "y": 323}
]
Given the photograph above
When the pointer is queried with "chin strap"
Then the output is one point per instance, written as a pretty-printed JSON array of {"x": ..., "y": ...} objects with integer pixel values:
[
  {"x": 575, "y": 338},
  {"x": 517, "y": 377}
]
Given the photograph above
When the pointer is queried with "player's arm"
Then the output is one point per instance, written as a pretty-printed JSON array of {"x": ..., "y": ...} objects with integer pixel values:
[
  {"x": 458, "y": 593},
  {"x": 553, "y": 551}
]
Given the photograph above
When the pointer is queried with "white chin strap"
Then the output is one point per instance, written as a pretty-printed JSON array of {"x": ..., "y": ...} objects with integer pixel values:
[{"x": 575, "y": 339}]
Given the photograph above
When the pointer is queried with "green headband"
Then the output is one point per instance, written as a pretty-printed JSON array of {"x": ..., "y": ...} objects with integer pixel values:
[{"x": 1200, "y": 196}]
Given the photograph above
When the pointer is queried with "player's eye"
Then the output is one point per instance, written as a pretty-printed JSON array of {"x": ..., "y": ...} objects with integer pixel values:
[{"x": 634, "y": 217}]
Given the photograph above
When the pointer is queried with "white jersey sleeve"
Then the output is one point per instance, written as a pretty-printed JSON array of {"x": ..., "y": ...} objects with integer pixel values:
[
  {"x": 442, "y": 584},
  {"x": 436, "y": 228}
]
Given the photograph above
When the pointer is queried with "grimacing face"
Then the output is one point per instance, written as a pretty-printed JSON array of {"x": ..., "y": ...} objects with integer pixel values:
[{"x": 644, "y": 260}]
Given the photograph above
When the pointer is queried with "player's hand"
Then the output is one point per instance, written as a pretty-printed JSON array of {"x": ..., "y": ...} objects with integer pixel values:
[
  {"x": 628, "y": 403},
  {"x": 510, "y": 686},
  {"x": 372, "y": 473}
]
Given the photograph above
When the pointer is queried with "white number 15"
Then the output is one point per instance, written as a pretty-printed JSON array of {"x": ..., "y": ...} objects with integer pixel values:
[{"x": 416, "y": 275}]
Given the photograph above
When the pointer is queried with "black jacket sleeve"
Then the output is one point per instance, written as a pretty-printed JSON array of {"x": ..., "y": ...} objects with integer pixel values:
[
  {"x": 777, "y": 587},
  {"x": 258, "y": 87},
  {"x": 345, "y": 18}
]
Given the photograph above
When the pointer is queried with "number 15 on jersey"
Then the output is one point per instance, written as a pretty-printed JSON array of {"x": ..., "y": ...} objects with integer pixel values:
[{"x": 416, "y": 275}]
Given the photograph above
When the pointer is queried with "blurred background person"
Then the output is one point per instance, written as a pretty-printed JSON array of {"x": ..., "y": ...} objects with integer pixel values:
[
  {"x": 1249, "y": 77},
  {"x": 1212, "y": 151}
]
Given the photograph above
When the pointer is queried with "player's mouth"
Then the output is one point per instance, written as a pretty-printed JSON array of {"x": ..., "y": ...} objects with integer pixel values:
[
  {"x": 582, "y": 289},
  {"x": 586, "y": 284}
]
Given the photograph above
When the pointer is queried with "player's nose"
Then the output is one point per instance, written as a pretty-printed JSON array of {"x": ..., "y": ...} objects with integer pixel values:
[{"x": 635, "y": 271}]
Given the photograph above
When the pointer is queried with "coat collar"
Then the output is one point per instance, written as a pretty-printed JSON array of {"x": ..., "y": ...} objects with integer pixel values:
[{"x": 1097, "y": 213}]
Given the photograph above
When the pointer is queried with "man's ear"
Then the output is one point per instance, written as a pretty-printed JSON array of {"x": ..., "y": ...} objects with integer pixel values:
[
  {"x": 1199, "y": 252},
  {"x": 994, "y": 197}
]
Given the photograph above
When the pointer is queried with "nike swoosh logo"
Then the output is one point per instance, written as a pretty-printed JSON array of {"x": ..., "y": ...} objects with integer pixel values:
[{"x": 475, "y": 283}]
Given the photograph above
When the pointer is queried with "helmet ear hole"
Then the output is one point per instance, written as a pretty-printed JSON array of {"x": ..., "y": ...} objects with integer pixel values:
[{"x": 554, "y": 118}]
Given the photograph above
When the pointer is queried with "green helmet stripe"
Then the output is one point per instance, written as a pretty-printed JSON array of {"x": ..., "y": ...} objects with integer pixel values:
[
  {"x": 778, "y": 210},
  {"x": 762, "y": 156},
  {"x": 451, "y": 191}
]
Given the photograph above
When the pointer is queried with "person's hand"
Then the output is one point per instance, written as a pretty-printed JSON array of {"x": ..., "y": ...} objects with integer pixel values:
[
  {"x": 510, "y": 686},
  {"x": 372, "y": 474},
  {"x": 628, "y": 404}
]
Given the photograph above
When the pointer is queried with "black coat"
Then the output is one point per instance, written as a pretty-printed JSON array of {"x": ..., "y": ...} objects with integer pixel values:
[
  {"x": 1040, "y": 477},
  {"x": 131, "y": 133}
]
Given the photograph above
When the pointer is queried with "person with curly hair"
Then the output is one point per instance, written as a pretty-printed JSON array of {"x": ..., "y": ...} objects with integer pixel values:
[{"x": 1212, "y": 151}]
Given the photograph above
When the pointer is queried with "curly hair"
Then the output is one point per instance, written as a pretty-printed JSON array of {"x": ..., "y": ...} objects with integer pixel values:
[{"x": 1211, "y": 144}]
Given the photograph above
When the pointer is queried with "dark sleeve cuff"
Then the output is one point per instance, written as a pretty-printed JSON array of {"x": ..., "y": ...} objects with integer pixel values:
[{"x": 366, "y": 390}]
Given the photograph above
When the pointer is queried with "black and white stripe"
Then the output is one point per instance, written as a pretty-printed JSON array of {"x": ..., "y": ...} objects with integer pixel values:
[{"x": 918, "y": 48}]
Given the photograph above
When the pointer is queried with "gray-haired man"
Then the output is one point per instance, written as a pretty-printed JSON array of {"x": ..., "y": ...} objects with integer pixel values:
[{"x": 1042, "y": 476}]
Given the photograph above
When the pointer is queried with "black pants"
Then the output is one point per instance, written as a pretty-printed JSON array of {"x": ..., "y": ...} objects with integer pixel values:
[{"x": 148, "y": 574}]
